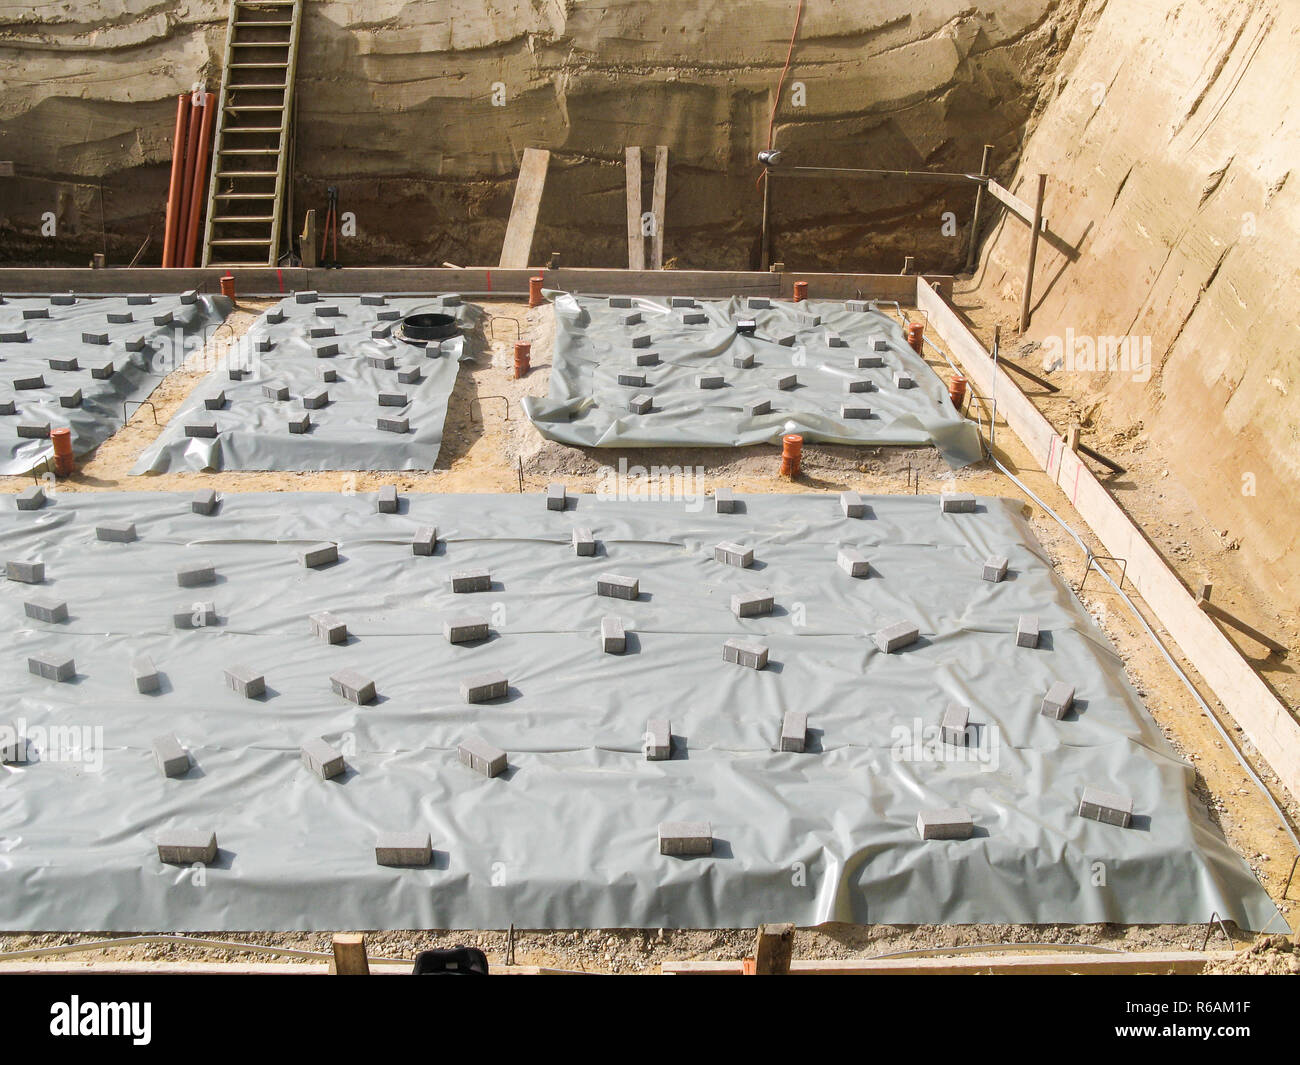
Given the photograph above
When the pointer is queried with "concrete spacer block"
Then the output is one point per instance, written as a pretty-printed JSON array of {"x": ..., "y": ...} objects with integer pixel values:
[
  {"x": 695, "y": 318},
  {"x": 145, "y": 674},
  {"x": 682, "y": 301},
  {"x": 641, "y": 341},
  {"x": 794, "y": 731},
  {"x": 995, "y": 568},
  {"x": 196, "y": 573},
  {"x": 237, "y": 373},
  {"x": 381, "y": 362},
  {"x": 808, "y": 321},
  {"x": 373, "y": 300},
  {"x": 742, "y": 362},
  {"x": 758, "y": 303},
  {"x": 404, "y": 850},
  {"x": 203, "y": 502},
  {"x": 556, "y": 496},
  {"x": 171, "y": 758},
  {"x": 645, "y": 358},
  {"x": 325, "y": 351},
  {"x": 896, "y": 636},
  {"x": 786, "y": 340},
  {"x": 733, "y": 554},
  {"x": 63, "y": 299},
  {"x": 189, "y": 297},
  {"x": 13, "y": 336},
  {"x": 641, "y": 404},
  {"x": 613, "y": 637},
  {"x": 319, "y": 555},
  {"x": 164, "y": 318},
  {"x": 200, "y": 615},
  {"x": 724, "y": 502},
  {"x": 1027, "y": 631},
  {"x": 393, "y": 425},
  {"x": 470, "y": 580},
  {"x": 879, "y": 342},
  {"x": 1058, "y": 700},
  {"x": 904, "y": 380},
  {"x": 307, "y": 296},
  {"x": 684, "y": 838},
  {"x": 1108, "y": 807},
  {"x": 328, "y": 375},
  {"x": 187, "y": 847},
  {"x": 869, "y": 362},
  {"x": 857, "y": 384},
  {"x": 758, "y": 407},
  {"x": 34, "y": 432},
  {"x": 853, "y": 562},
  {"x": 102, "y": 370},
  {"x": 481, "y": 757},
  {"x": 117, "y": 532},
  {"x": 32, "y": 498},
  {"x": 139, "y": 300},
  {"x": 8, "y": 406},
  {"x": 25, "y": 572},
  {"x": 950, "y": 822},
  {"x": 51, "y": 667},
  {"x": 852, "y": 506},
  {"x": 788, "y": 381},
  {"x": 263, "y": 344},
  {"x": 35, "y": 312},
  {"x": 952, "y": 729},
  {"x": 411, "y": 376},
  {"x": 709, "y": 380},
  {"x": 51, "y": 611},
  {"x": 855, "y": 412},
  {"x": 326, "y": 626},
  {"x": 658, "y": 739},
  {"x": 70, "y": 399},
  {"x": 617, "y": 587},
  {"x": 275, "y": 390},
  {"x": 584, "y": 544},
  {"x": 64, "y": 364},
  {"x": 857, "y": 306},
  {"x": 353, "y": 686},
  {"x": 100, "y": 339},
  {"x": 28, "y": 384},
  {"x": 484, "y": 687},
  {"x": 465, "y": 628},
  {"x": 956, "y": 503},
  {"x": 425, "y": 540},
  {"x": 245, "y": 682},
  {"x": 13, "y": 747},
  {"x": 755, "y": 604},
  {"x": 381, "y": 332},
  {"x": 320, "y": 332},
  {"x": 628, "y": 379},
  {"x": 316, "y": 398},
  {"x": 620, "y": 302},
  {"x": 300, "y": 424},
  {"x": 328, "y": 310},
  {"x": 634, "y": 318},
  {"x": 834, "y": 340},
  {"x": 748, "y": 653},
  {"x": 387, "y": 501},
  {"x": 217, "y": 402},
  {"x": 321, "y": 758},
  {"x": 120, "y": 317},
  {"x": 392, "y": 399}
]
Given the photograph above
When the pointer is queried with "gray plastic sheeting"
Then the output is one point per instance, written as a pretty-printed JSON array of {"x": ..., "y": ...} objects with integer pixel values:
[
  {"x": 253, "y": 430},
  {"x": 587, "y": 407},
  {"x": 567, "y": 836},
  {"x": 147, "y": 337}
]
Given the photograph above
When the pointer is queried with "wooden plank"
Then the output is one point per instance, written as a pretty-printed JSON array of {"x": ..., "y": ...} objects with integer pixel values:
[
  {"x": 1034, "y": 229},
  {"x": 635, "y": 237},
  {"x": 1266, "y": 723},
  {"x": 1018, "y": 206},
  {"x": 1044, "y": 963},
  {"x": 658, "y": 199},
  {"x": 523, "y": 212},
  {"x": 773, "y": 951},
  {"x": 350, "y": 954}
]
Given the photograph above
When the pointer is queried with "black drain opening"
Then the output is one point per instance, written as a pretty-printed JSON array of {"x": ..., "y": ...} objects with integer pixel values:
[{"x": 429, "y": 326}]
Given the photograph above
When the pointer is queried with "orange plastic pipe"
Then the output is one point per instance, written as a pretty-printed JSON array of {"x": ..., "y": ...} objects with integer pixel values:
[
  {"x": 200, "y": 180},
  {"x": 178, "y": 175},
  {"x": 800, "y": 291},
  {"x": 64, "y": 463},
  {"x": 523, "y": 358},
  {"x": 791, "y": 454},
  {"x": 187, "y": 181},
  {"x": 535, "y": 298},
  {"x": 915, "y": 332}
]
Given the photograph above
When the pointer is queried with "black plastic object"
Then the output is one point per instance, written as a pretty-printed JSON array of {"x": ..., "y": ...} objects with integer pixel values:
[
  {"x": 458, "y": 961},
  {"x": 746, "y": 327},
  {"x": 428, "y": 326}
]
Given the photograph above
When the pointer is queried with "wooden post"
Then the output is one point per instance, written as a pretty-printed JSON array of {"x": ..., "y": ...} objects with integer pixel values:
[
  {"x": 979, "y": 204},
  {"x": 350, "y": 955},
  {"x": 518, "y": 243},
  {"x": 774, "y": 949},
  {"x": 1072, "y": 438},
  {"x": 765, "y": 241},
  {"x": 658, "y": 198},
  {"x": 635, "y": 237},
  {"x": 307, "y": 242},
  {"x": 1034, "y": 229}
]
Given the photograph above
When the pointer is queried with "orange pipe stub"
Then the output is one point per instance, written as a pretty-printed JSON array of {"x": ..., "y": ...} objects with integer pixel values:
[
  {"x": 523, "y": 358},
  {"x": 791, "y": 454},
  {"x": 535, "y": 291},
  {"x": 228, "y": 286},
  {"x": 957, "y": 390},
  {"x": 800, "y": 291},
  {"x": 915, "y": 331},
  {"x": 64, "y": 463}
]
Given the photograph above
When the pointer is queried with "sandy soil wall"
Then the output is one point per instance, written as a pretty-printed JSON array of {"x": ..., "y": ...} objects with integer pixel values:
[{"x": 396, "y": 107}]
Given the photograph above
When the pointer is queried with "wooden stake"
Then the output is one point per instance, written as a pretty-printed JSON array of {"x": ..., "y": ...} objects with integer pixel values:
[
  {"x": 307, "y": 242},
  {"x": 979, "y": 205},
  {"x": 658, "y": 199},
  {"x": 350, "y": 955},
  {"x": 518, "y": 244},
  {"x": 1034, "y": 229},
  {"x": 635, "y": 238},
  {"x": 774, "y": 949}
]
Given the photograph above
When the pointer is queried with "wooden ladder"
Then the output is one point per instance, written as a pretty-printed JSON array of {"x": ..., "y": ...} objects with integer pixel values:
[{"x": 250, "y": 161}]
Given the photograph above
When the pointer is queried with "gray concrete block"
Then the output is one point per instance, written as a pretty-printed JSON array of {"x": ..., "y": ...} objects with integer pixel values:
[
  {"x": 411, "y": 376},
  {"x": 794, "y": 732},
  {"x": 321, "y": 758},
  {"x": 758, "y": 408},
  {"x": 320, "y": 332},
  {"x": 658, "y": 743},
  {"x": 785, "y": 339},
  {"x": 13, "y": 336},
  {"x": 204, "y": 502},
  {"x": 709, "y": 380},
  {"x": 237, "y": 373},
  {"x": 904, "y": 380},
  {"x": 484, "y": 687},
  {"x": 1027, "y": 631},
  {"x": 620, "y": 302},
  {"x": 724, "y": 501},
  {"x": 556, "y": 496},
  {"x": 13, "y": 746},
  {"x": 684, "y": 838},
  {"x": 200, "y": 615},
  {"x": 120, "y": 317},
  {"x": 145, "y": 674},
  {"x": 470, "y": 580},
  {"x": 244, "y": 681},
  {"x": 46, "y": 609},
  {"x": 613, "y": 637},
  {"x": 116, "y": 532},
  {"x": 633, "y": 318},
  {"x": 316, "y": 399},
  {"x": 695, "y": 318},
  {"x": 755, "y": 604},
  {"x": 8, "y": 406},
  {"x": 748, "y": 653},
  {"x": 187, "y": 847},
  {"x": 319, "y": 555},
  {"x": 879, "y": 342},
  {"x": 381, "y": 362},
  {"x": 393, "y": 425},
  {"x": 641, "y": 341},
  {"x": 682, "y": 301},
  {"x": 354, "y": 687},
  {"x": 29, "y": 384},
  {"x": 896, "y": 636},
  {"x": 328, "y": 627},
  {"x": 584, "y": 544},
  {"x": 263, "y": 344},
  {"x": 995, "y": 568},
  {"x": 328, "y": 375},
  {"x": 163, "y": 318},
  {"x": 51, "y": 667},
  {"x": 787, "y": 381},
  {"x": 758, "y": 303},
  {"x": 39, "y": 431},
  {"x": 30, "y": 313},
  {"x": 274, "y": 316},
  {"x": 196, "y": 573},
  {"x": 952, "y": 728},
  {"x": 382, "y": 332},
  {"x": 139, "y": 300},
  {"x": 640, "y": 404},
  {"x": 852, "y": 506},
  {"x": 853, "y": 562},
  {"x": 387, "y": 501},
  {"x": 171, "y": 758},
  {"x": 855, "y": 385},
  {"x": 70, "y": 400},
  {"x": 834, "y": 340},
  {"x": 307, "y": 296},
  {"x": 645, "y": 358},
  {"x": 956, "y": 503},
  {"x": 328, "y": 310},
  {"x": 1108, "y": 807},
  {"x": 617, "y": 587},
  {"x": 425, "y": 540},
  {"x": 733, "y": 554},
  {"x": 742, "y": 362},
  {"x": 217, "y": 402},
  {"x": 1058, "y": 700},
  {"x": 25, "y": 572},
  {"x": 328, "y": 350},
  {"x": 950, "y": 822},
  {"x": 32, "y": 498},
  {"x": 392, "y": 399},
  {"x": 373, "y": 300},
  {"x": 465, "y": 628},
  {"x": 869, "y": 362},
  {"x": 481, "y": 757},
  {"x": 275, "y": 390},
  {"x": 63, "y": 299},
  {"x": 189, "y": 297},
  {"x": 628, "y": 379},
  {"x": 404, "y": 850},
  {"x": 64, "y": 363},
  {"x": 99, "y": 339}
]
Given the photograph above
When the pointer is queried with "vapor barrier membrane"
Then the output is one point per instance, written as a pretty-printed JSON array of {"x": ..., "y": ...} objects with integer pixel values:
[
  {"x": 110, "y": 349},
  {"x": 566, "y": 837},
  {"x": 819, "y": 342},
  {"x": 295, "y": 345}
]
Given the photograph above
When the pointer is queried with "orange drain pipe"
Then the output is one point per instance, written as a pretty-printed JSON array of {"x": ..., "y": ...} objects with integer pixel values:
[
  {"x": 64, "y": 463},
  {"x": 179, "y": 140},
  {"x": 535, "y": 291},
  {"x": 800, "y": 291},
  {"x": 915, "y": 331},
  {"x": 957, "y": 390},
  {"x": 228, "y": 286},
  {"x": 791, "y": 454},
  {"x": 523, "y": 358}
]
